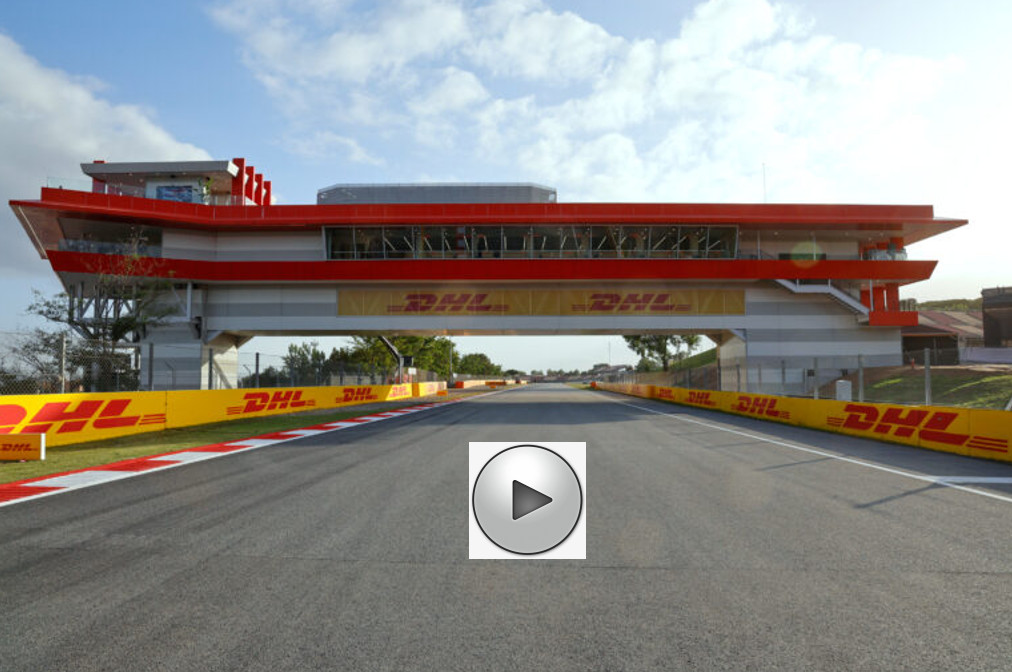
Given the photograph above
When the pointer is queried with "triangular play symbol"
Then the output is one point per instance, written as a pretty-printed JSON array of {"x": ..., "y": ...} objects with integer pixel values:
[{"x": 527, "y": 499}]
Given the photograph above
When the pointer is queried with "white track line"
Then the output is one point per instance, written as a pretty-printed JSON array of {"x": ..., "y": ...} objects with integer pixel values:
[{"x": 945, "y": 481}]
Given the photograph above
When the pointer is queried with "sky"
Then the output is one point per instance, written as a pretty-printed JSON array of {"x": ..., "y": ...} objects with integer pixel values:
[{"x": 867, "y": 101}]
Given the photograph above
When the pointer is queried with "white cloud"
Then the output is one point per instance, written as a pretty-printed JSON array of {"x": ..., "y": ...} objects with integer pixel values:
[
  {"x": 514, "y": 87},
  {"x": 324, "y": 144},
  {"x": 51, "y": 122},
  {"x": 526, "y": 40},
  {"x": 456, "y": 91}
]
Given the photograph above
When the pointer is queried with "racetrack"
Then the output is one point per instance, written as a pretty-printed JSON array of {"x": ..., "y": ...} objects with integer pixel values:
[{"x": 713, "y": 542}]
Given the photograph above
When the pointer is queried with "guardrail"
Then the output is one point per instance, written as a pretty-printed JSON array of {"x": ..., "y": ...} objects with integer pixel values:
[{"x": 973, "y": 432}]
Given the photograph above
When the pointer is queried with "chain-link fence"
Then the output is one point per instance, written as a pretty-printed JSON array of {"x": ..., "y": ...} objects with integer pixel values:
[
  {"x": 933, "y": 376},
  {"x": 41, "y": 363},
  {"x": 45, "y": 363}
]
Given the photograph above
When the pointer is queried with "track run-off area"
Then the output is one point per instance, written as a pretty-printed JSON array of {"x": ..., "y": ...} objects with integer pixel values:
[{"x": 713, "y": 542}]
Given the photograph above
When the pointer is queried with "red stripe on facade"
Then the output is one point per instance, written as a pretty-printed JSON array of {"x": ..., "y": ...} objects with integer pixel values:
[{"x": 469, "y": 270}]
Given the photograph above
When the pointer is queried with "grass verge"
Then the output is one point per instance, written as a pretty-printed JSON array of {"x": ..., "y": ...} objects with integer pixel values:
[{"x": 96, "y": 453}]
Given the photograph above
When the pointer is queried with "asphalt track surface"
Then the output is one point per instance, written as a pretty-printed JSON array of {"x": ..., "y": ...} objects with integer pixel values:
[{"x": 713, "y": 542}]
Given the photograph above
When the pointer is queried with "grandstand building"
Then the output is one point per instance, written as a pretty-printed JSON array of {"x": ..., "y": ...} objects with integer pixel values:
[{"x": 788, "y": 291}]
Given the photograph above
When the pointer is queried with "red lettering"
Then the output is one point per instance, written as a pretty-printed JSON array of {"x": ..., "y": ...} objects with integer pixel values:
[
  {"x": 11, "y": 415},
  {"x": 934, "y": 429},
  {"x": 417, "y": 303},
  {"x": 906, "y": 423},
  {"x": 73, "y": 421},
  {"x": 636, "y": 302},
  {"x": 604, "y": 302},
  {"x": 661, "y": 304},
  {"x": 112, "y": 416},
  {"x": 478, "y": 304},
  {"x": 855, "y": 414},
  {"x": 256, "y": 401},
  {"x": 453, "y": 303}
]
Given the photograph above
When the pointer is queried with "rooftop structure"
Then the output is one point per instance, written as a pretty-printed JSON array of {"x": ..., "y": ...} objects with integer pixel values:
[{"x": 351, "y": 194}]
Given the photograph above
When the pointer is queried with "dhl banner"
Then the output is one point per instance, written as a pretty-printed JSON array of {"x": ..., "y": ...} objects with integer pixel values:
[
  {"x": 72, "y": 418},
  {"x": 199, "y": 407},
  {"x": 974, "y": 432},
  {"x": 23, "y": 447},
  {"x": 491, "y": 301},
  {"x": 76, "y": 418},
  {"x": 426, "y": 389}
]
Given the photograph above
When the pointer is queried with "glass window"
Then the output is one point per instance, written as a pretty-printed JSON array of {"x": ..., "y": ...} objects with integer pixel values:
[
  {"x": 487, "y": 242},
  {"x": 547, "y": 241},
  {"x": 429, "y": 242},
  {"x": 399, "y": 242},
  {"x": 722, "y": 242},
  {"x": 516, "y": 241},
  {"x": 342, "y": 243},
  {"x": 368, "y": 243},
  {"x": 692, "y": 242},
  {"x": 664, "y": 242},
  {"x": 604, "y": 241},
  {"x": 574, "y": 241}
]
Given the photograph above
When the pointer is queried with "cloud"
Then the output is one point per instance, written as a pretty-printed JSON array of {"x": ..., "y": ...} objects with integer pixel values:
[
  {"x": 324, "y": 144},
  {"x": 516, "y": 87},
  {"x": 50, "y": 122}
]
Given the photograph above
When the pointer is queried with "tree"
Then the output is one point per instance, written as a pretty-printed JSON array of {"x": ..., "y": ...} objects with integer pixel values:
[
  {"x": 478, "y": 364},
  {"x": 662, "y": 348},
  {"x": 115, "y": 311},
  {"x": 646, "y": 365},
  {"x": 306, "y": 363}
]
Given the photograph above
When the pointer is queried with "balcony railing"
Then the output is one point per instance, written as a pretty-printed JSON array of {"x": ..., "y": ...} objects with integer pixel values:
[{"x": 180, "y": 194}]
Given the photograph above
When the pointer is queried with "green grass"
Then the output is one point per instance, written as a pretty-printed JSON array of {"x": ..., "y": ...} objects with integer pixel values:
[
  {"x": 704, "y": 358},
  {"x": 950, "y": 386},
  {"x": 95, "y": 453}
]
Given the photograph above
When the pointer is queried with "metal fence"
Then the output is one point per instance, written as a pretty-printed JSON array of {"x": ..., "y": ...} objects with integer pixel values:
[
  {"x": 933, "y": 376},
  {"x": 45, "y": 363}
]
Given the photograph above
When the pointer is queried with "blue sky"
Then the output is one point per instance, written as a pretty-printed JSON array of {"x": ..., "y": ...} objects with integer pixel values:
[{"x": 859, "y": 102}]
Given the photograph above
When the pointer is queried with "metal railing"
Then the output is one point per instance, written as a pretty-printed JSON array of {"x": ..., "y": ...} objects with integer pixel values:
[{"x": 920, "y": 377}]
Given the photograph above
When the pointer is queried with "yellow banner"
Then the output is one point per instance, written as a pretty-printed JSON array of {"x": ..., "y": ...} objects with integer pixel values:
[
  {"x": 73, "y": 418},
  {"x": 975, "y": 432},
  {"x": 22, "y": 447},
  {"x": 471, "y": 301},
  {"x": 426, "y": 389},
  {"x": 199, "y": 407},
  {"x": 76, "y": 418}
]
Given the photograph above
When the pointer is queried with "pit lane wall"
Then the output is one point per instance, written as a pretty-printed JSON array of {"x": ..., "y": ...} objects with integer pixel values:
[
  {"x": 81, "y": 417},
  {"x": 963, "y": 431}
]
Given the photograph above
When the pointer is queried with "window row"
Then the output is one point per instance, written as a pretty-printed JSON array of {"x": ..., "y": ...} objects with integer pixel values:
[{"x": 511, "y": 242}]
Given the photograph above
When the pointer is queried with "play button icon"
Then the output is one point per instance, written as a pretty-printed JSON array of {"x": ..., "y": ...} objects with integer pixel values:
[{"x": 527, "y": 499}]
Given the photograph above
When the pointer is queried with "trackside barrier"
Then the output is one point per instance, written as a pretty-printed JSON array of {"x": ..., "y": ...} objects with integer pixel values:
[
  {"x": 77, "y": 418},
  {"x": 963, "y": 431}
]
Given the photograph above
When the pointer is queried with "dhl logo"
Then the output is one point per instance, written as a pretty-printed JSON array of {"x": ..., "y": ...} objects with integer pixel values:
[
  {"x": 700, "y": 398},
  {"x": 904, "y": 422},
  {"x": 400, "y": 391},
  {"x": 268, "y": 401},
  {"x": 462, "y": 302},
  {"x": 633, "y": 302},
  {"x": 358, "y": 394},
  {"x": 760, "y": 406},
  {"x": 665, "y": 393},
  {"x": 62, "y": 417},
  {"x": 16, "y": 447}
]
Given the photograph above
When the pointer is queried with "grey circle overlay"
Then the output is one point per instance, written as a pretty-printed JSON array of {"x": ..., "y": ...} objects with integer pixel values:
[{"x": 540, "y": 530}]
